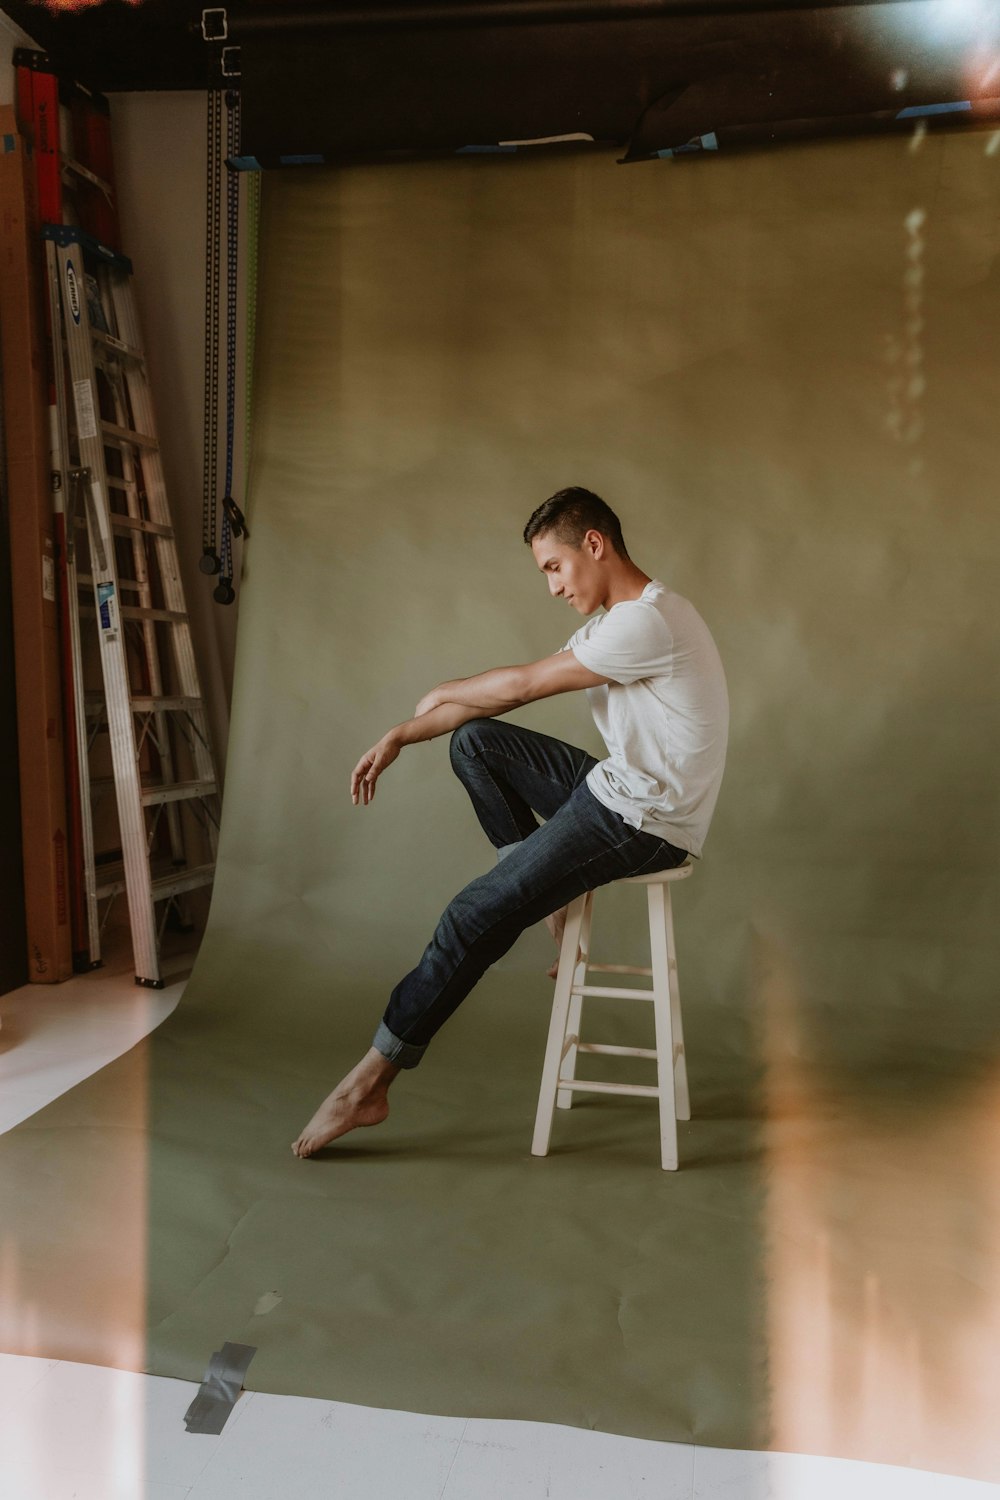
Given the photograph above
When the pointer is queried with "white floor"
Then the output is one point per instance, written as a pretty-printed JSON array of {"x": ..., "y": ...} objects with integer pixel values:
[{"x": 83, "y": 1432}]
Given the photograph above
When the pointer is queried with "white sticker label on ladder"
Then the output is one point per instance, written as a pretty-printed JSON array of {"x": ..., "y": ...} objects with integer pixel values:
[
  {"x": 107, "y": 610},
  {"x": 83, "y": 399}
]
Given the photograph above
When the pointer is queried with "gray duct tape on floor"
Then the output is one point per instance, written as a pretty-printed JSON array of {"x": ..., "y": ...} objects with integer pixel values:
[{"x": 210, "y": 1409}]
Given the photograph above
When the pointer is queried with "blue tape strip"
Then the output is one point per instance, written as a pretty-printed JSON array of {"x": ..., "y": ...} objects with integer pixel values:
[
  {"x": 933, "y": 109},
  {"x": 479, "y": 150},
  {"x": 9, "y": 144},
  {"x": 300, "y": 161},
  {"x": 245, "y": 164},
  {"x": 709, "y": 142}
]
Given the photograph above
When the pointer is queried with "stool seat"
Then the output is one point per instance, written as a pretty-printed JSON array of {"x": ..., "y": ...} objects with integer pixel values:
[
  {"x": 559, "y": 1081},
  {"x": 659, "y": 877}
]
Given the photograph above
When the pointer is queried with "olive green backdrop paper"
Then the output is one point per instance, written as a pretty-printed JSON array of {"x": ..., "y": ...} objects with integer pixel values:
[{"x": 722, "y": 348}]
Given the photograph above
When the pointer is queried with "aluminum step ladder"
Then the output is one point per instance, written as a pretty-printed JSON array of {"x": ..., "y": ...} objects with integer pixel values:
[{"x": 130, "y": 606}]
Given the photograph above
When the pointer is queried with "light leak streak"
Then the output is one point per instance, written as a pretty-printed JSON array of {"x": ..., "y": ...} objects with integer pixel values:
[
  {"x": 904, "y": 352},
  {"x": 882, "y": 1266}
]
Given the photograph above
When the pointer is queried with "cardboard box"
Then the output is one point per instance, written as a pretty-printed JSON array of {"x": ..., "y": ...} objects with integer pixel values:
[{"x": 33, "y": 565}]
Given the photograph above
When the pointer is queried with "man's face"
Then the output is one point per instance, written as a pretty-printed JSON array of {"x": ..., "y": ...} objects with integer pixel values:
[{"x": 573, "y": 573}]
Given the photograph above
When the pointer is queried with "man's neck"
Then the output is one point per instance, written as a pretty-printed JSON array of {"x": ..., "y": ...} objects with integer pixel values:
[{"x": 628, "y": 584}]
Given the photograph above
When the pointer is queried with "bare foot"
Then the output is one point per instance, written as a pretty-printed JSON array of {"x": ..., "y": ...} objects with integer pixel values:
[
  {"x": 555, "y": 923},
  {"x": 359, "y": 1099}
]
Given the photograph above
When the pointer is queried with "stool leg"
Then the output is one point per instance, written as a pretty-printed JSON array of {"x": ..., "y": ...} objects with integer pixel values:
[
  {"x": 664, "y": 1032},
  {"x": 564, "y": 1098},
  {"x": 557, "y": 1027},
  {"x": 680, "y": 1057}
]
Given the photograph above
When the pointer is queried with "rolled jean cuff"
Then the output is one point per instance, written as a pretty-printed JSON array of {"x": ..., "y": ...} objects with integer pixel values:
[
  {"x": 506, "y": 849},
  {"x": 403, "y": 1054}
]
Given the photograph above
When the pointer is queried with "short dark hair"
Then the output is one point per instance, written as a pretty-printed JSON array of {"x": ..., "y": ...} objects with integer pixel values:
[{"x": 569, "y": 514}]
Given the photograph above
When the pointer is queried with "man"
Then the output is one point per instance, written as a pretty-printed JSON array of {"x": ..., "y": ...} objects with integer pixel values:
[{"x": 657, "y": 691}]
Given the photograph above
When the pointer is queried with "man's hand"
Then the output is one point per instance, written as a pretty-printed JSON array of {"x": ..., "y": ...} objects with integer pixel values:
[
  {"x": 371, "y": 765},
  {"x": 440, "y": 719}
]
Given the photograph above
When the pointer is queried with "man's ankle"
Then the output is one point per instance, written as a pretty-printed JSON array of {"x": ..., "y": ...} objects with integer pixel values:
[{"x": 374, "y": 1071}]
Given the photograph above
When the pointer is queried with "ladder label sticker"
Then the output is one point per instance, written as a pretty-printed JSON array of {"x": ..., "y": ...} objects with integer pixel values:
[
  {"x": 83, "y": 400},
  {"x": 48, "y": 579},
  {"x": 106, "y": 609},
  {"x": 73, "y": 292}
]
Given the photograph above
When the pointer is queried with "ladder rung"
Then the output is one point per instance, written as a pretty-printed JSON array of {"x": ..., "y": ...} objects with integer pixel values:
[
  {"x": 177, "y": 791},
  {"x": 173, "y": 791},
  {"x": 79, "y": 170},
  {"x": 182, "y": 880},
  {"x": 611, "y": 994},
  {"x": 115, "y": 434},
  {"x": 111, "y": 881},
  {"x": 130, "y": 523},
  {"x": 147, "y": 705},
  {"x": 136, "y": 612},
  {"x": 123, "y": 583},
  {"x": 95, "y": 703},
  {"x": 580, "y": 1086},
  {"x": 116, "y": 346},
  {"x": 136, "y": 523}
]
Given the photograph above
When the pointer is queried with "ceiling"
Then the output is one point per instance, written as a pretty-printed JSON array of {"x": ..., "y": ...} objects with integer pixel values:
[{"x": 340, "y": 81}]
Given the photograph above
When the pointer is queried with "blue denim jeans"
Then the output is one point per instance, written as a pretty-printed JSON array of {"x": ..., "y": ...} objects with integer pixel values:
[{"x": 511, "y": 773}]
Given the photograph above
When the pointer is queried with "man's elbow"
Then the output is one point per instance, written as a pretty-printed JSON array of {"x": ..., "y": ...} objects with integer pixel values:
[{"x": 530, "y": 684}]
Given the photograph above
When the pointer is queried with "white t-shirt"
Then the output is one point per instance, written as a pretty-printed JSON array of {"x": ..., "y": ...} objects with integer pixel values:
[{"x": 664, "y": 717}]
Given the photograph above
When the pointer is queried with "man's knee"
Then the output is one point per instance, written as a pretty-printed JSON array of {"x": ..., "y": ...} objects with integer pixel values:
[{"x": 465, "y": 741}]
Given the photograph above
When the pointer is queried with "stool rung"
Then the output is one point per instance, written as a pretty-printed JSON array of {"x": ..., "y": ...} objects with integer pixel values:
[
  {"x": 606, "y": 1050},
  {"x": 618, "y": 969},
  {"x": 611, "y": 994},
  {"x": 581, "y": 1086}
]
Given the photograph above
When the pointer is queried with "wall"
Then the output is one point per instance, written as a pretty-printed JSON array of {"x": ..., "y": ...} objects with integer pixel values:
[{"x": 11, "y": 37}]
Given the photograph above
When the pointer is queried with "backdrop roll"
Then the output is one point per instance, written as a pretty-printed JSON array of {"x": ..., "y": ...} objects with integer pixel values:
[{"x": 780, "y": 369}]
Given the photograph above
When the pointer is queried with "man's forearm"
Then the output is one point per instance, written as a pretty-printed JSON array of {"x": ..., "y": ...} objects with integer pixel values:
[
  {"x": 493, "y": 692},
  {"x": 435, "y": 721}
]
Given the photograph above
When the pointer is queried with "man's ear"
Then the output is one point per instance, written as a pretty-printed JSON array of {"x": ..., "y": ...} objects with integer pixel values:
[{"x": 595, "y": 540}]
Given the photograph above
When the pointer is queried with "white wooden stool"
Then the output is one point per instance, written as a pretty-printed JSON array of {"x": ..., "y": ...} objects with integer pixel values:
[{"x": 559, "y": 1081}]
